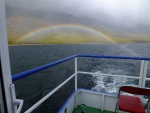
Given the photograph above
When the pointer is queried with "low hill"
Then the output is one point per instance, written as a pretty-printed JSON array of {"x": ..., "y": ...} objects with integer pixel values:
[
  {"x": 20, "y": 31},
  {"x": 64, "y": 35},
  {"x": 19, "y": 26}
]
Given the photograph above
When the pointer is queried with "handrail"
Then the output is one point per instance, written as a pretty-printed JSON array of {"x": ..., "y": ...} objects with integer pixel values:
[
  {"x": 113, "y": 57},
  {"x": 35, "y": 70}
]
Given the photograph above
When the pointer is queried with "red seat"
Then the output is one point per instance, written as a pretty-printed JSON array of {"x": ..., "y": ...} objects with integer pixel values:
[{"x": 130, "y": 103}]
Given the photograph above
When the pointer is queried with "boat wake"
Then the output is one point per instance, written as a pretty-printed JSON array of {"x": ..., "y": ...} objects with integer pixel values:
[
  {"x": 110, "y": 84},
  {"x": 131, "y": 52}
]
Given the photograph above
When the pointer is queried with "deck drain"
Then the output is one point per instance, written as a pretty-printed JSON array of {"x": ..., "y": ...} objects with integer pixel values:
[{"x": 82, "y": 111}]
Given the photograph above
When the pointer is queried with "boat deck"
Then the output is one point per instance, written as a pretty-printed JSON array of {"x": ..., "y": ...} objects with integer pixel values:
[{"x": 87, "y": 109}]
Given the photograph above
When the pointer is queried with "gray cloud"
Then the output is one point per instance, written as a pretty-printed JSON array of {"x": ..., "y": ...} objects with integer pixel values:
[{"x": 127, "y": 12}]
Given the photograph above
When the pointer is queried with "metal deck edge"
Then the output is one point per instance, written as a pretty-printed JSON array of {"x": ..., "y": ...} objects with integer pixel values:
[{"x": 78, "y": 90}]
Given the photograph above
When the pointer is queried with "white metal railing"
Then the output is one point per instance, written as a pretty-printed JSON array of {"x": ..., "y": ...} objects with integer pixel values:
[
  {"x": 48, "y": 95},
  {"x": 5, "y": 73},
  {"x": 141, "y": 78}
]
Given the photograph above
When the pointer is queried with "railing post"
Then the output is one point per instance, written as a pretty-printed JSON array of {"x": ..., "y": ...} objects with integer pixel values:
[
  {"x": 76, "y": 73},
  {"x": 76, "y": 82},
  {"x": 144, "y": 73},
  {"x": 13, "y": 97},
  {"x": 141, "y": 73}
]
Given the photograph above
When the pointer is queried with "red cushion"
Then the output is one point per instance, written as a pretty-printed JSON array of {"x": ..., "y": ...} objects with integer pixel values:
[{"x": 130, "y": 104}]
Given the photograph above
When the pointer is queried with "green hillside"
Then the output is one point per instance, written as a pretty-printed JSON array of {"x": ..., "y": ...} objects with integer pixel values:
[
  {"x": 64, "y": 35},
  {"x": 24, "y": 30},
  {"x": 19, "y": 26}
]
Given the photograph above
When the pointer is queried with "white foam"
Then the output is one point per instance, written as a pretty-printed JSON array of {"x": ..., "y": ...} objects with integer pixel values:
[{"x": 109, "y": 84}]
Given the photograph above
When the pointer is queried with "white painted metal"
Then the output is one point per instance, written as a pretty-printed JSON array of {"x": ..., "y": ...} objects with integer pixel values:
[
  {"x": 141, "y": 73},
  {"x": 71, "y": 105},
  {"x": 48, "y": 95},
  {"x": 5, "y": 57},
  {"x": 109, "y": 103},
  {"x": 20, "y": 103},
  {"x": 147, "y": 78},
  {"x": 102, "y": 107},
  {"x": 144, "y": 73},
  {"x": 15, "y": 101},
  {"x": 13, "y": 97},
  {"x": 76, "y": 80},
  {"x": 93, "y": 99},
  {"x": 122, "y": 76},
  {"x": 76, "y": 73}
]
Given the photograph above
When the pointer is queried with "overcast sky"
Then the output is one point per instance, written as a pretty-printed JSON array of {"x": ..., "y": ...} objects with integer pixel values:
[{"x": 129, "y": 12}]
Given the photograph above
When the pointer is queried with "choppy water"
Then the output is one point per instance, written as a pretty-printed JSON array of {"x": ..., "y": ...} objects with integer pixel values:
[{"x": 34, "y": 87}]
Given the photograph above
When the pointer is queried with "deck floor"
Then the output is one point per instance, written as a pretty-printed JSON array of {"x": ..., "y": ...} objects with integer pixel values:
[{"x": 87, "y": 109}]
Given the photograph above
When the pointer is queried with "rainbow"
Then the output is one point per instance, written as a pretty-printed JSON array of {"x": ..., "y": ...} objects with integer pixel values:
[{"x": 88, "y": 29}]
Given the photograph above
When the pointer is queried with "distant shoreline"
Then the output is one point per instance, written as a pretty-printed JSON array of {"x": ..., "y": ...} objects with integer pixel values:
[
  {"x": 74, "y": 44},
  {"x": 58, "y": 44}
]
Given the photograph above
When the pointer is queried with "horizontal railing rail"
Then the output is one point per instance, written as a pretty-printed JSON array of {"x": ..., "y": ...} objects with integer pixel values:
[
  {"x": 35, "y": 70},
  {"x": 48, "y": 95},
  {"x": 112, "y": 57},
  {"x": 109, "y": 75}
]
